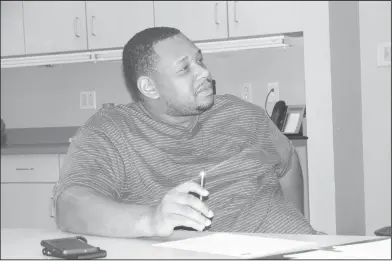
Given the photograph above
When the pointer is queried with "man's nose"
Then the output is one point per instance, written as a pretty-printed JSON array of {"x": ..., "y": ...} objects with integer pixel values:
[{"x": 202, "y": 72}]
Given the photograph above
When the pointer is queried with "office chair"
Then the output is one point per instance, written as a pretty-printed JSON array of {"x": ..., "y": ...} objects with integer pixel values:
[{"x": 383, "y": 232}]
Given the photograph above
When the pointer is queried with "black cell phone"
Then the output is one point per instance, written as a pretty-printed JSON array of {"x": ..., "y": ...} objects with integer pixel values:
[{"x": 71, "y": 248}]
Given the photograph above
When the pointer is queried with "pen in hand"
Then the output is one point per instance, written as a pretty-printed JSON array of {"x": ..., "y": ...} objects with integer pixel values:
[{"x": 202, "y": 174}]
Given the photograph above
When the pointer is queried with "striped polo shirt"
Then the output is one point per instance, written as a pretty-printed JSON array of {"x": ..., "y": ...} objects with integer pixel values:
[{"x": 130, "y": 156}]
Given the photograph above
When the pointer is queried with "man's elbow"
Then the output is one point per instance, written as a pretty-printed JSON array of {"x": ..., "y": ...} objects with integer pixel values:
[
  {"x": 63, "y": 208},
  {"x": 67, "y": 212}
]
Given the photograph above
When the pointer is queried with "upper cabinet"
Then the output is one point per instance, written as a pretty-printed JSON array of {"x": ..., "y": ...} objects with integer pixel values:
[
  {"x": 44, "y": 27},
  {"x": 12, "y": 31},
  {"x": 58, "y": 26},
  {"x": 248, "y": 18},
  {"x": 110, "y": 24},
  {"x": 198, "y": 20}
]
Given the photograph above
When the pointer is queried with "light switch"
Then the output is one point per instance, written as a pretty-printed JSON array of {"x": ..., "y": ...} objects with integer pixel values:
[
  {"x": 246, "y": 92},
  {"x": 384, "y": 54},
  {"x": 87, "y": 100}
]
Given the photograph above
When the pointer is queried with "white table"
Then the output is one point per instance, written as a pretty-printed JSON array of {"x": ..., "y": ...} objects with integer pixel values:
[{"x": 25, "y": 244}]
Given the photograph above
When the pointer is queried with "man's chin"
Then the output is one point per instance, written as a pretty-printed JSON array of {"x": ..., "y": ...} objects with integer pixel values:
[{"x": 206, "y": 103}]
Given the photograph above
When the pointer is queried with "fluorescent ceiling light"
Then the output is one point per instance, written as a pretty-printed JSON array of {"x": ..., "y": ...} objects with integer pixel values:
[
  {"x": 214, "y": 47},
  {"x": 244, "y": 44},
  {"x": 45, "y": 60},
  {"x": 116, "y": 55},
  {"x": 109, "y": 55}
]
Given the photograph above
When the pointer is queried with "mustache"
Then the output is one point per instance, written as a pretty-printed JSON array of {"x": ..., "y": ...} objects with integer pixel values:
[
  {"x": 207, "y": 80},
  {"x": 206, "y": 84}
]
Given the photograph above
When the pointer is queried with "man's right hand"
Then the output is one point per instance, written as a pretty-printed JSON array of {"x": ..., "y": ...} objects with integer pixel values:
[{"x": 179, "y": 208}]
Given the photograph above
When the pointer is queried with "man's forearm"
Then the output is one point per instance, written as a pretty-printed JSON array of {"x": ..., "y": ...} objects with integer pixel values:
[{"x": 82, "y": 210}]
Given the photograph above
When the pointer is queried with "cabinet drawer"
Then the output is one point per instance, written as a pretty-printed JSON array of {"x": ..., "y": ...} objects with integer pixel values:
[
  {"x": 26, "y": 206},
  {"x": 30, "y": 168}
]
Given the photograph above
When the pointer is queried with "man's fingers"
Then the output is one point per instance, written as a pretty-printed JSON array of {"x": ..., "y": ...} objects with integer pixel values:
[
  {"x": 180, "y": 220},
  {"x": 195, "y": 203},
  {"x": 191, "y": 187},
  {"x": 190, "y": 213},
  {"x": 183, "y": 209}
]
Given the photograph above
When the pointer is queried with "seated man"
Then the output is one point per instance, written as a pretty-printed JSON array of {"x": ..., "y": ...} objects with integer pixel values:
[{"x": 131, "y": 170}]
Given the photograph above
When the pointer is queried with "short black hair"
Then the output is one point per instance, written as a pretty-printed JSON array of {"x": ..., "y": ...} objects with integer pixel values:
[{"x": 139, "y": 57}]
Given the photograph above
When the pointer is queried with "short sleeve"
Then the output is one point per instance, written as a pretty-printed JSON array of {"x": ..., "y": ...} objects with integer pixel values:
[
  {"x": 94, "y": 162},
  {"x": 284, "y": 147}
]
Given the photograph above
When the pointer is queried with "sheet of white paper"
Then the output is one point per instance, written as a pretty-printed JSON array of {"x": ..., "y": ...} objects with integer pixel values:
[
  {"x": 240, "y": 246},
  {"x": 321, "y": 254},
  {"x": 371, "y": 250}
]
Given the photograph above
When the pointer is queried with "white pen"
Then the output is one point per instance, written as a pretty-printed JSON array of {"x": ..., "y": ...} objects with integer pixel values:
[{"x": 202, "y": 174}]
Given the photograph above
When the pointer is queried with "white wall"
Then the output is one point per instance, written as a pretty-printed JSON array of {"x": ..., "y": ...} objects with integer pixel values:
[
  {"x": 49, "y": 97},
  {"x": 260, "y": 67},
  {"x": 375, "y": 27},
  {"x": 319, "y": 116},
  {"x": 347, "y": 117},
  {"x": 374, "y": 22}
]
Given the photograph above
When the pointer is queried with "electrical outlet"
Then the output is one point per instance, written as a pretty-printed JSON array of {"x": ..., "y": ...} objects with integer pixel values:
[
  {"x": 246, "y": 92},
  {"x": 274, "y": 95},
  {"x": 87, "y": 100}
]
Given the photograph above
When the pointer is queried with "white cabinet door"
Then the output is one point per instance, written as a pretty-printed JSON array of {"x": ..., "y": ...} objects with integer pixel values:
[
  {"x": 112, "y": 23},
  {"x": 33, "y": 168},
  {"x": 248, "y": 18},
  {"x": 198, "y": 20},
  {"x": 12, "y": 31},
  {"x": 26, "y": 206},
  {"x": 54, "y": 26}
]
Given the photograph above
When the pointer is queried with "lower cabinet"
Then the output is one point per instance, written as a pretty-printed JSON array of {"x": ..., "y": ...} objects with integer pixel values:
[
  {"x": 26, "y": 205},
  {"x": 27, "y": 183}
]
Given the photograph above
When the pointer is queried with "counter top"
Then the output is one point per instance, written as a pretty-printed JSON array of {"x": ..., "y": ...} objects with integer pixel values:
[
  {"x": 296, "y": 137},
  {"x": 25, "y": 244},
  {"x": 53, "y": 140},
  {"x": 48, "y": 148}
]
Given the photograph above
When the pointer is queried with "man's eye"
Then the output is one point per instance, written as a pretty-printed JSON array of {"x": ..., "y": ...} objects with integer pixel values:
[
  {"x": 186, "y": 67},
  {"x": 200, "y": 60}
]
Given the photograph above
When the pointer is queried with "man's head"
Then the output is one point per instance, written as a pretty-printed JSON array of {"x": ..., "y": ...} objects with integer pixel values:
[{"x": 163, "y": 67}]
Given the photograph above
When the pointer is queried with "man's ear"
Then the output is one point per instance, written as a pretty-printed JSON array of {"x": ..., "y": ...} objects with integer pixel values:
[{"x": 147, "y": 87}]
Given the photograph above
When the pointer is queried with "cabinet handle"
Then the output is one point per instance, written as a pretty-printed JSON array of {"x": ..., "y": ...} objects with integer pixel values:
[
  {"x": 92, "y": 26},
  {"x": 235, "y": 12},
  {"x": 216, "y": 13},
  {"x": 77, "y": 27},
  {"x": 51, "y": 207},
  {"x": 24, "y": 168}
]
